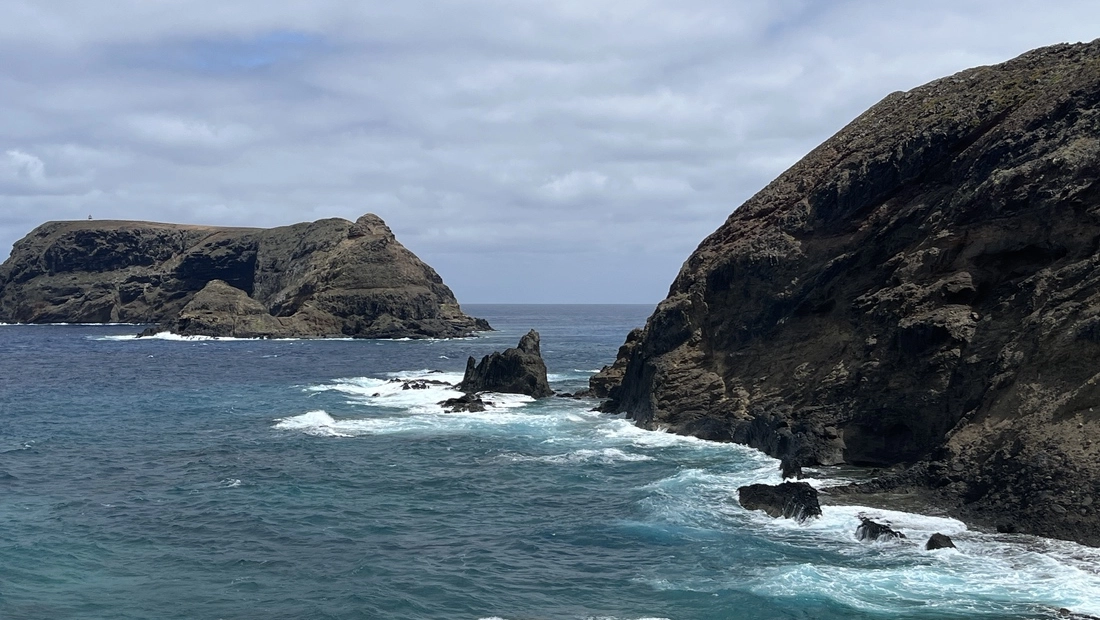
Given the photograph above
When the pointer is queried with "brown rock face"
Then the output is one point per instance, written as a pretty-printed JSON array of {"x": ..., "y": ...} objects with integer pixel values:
[
  {"x": 923, "y": 288},
  {"x": 519, "y": 370},
  {"x": 326, "y": 278}
]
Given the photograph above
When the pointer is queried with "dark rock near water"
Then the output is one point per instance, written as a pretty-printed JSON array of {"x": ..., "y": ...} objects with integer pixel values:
[
  {"x": 467, "y": 402},
  {"x": 518, "y": 370},
  {"x": 923, "y": 289},
  {"x": 790, "y": 500},
  {"x": 870, "y": 530},
  {"x": 321, "y": 279},
  {"x": 939, "y": 541}
]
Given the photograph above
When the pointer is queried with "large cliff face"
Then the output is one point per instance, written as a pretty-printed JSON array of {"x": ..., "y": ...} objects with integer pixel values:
[
  {"x": 326, "y": 278},
  {"x": 922, "y": 287}
]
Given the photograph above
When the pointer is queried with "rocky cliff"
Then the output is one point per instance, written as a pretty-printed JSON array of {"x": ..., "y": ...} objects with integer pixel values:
[
  {"x": 321, "y": 279},
  {"x": 922, "y": 289}
]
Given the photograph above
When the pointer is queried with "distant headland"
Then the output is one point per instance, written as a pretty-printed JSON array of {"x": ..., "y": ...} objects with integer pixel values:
[{"x": 330, "y": 278}]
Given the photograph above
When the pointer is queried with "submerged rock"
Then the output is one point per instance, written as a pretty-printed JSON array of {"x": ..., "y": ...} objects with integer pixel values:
[
  {"x": 518, "y": 370},
  {"x": 923, "y": 287},
  {"x": 790, "y": 500},
  {"x": 939, "y": 541},
  {"x": 870, "y": 530},
  {"x": 321, "y": 279}
]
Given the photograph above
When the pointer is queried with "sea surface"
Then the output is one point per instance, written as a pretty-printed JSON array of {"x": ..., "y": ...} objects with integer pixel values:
[{"x": 199, "y": 478}]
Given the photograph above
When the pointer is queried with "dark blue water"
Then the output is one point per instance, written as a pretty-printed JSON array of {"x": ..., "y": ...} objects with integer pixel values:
[{"x": 295, "y": 479}]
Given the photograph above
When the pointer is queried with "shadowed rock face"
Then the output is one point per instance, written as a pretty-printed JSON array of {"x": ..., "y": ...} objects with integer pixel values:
[
  {"x": 789, "y": 500},
  {"x": 519, "y": 370},
  {"x": 924, "y": 287},
  {"x": 326, "y": 278}
]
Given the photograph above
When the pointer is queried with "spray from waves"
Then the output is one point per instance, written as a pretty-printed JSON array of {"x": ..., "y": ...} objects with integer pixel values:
[
  {"x": 413, "y": 392},
  {"x": 318, "y": 423},
  {"x": 603, "y": 456},
  {"x": 988, "y": 574}
]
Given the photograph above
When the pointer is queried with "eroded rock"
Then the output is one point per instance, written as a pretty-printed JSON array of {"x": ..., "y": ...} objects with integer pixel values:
[
  {"x": 518, "y": 370},
  {"x": 789, "y": 500}
]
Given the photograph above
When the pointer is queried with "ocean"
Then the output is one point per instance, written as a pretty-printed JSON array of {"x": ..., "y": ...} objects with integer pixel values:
[{"x": 200, "y": 478}]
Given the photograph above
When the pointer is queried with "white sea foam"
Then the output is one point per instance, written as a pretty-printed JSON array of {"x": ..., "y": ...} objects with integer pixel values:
[
  {"x": 989, "y": 573},
  {"x": 604, "y": 456},
  {"x": 313, "y": 423},
  {"x": 170, "y": 337}
]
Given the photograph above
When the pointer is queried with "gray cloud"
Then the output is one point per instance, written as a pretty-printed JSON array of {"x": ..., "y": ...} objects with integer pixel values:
[{"x": 570, "y": 151}]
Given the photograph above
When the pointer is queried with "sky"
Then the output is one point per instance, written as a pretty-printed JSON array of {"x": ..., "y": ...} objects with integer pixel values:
[{"x": 559, "y": 151}]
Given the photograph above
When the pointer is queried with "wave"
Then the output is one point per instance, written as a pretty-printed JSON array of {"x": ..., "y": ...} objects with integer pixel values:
[
  {"x": 988, "y": 573},
  {"x": 605, "y": 456}
]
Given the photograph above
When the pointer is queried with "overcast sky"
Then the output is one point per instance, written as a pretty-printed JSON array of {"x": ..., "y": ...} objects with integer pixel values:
[{"x": 547, "y": 151}]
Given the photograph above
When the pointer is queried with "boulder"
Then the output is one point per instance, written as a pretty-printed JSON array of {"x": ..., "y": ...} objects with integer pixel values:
[
  {"x": 871, "y": 531},
  {"x": 467, "y": 402},
  {"x": 790, "y": 500},
  {"x": 939, "y": 541},
  {"x": 518, "y": 370}
]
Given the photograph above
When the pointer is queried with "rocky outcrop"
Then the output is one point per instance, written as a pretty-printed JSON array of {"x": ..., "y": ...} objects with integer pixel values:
[
  {"x": 519, "y": 370},
  {"x": 326, "y": 278},
  {"x": 869, "y": 530},
  {"x": 939, "y": 541},
  {"x": 471, "y": 403},
  {"x": 789, "y": 500},
  {"x": 923, "y": 288}
]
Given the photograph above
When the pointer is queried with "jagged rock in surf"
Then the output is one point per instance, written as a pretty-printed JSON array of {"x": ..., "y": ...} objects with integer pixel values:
[
  {"x": 939, "y": 541},
  {"x": 519, "y": 370},
  {"x": 869, "y": 530},
  {"x": 467, "y": 402},
  {"x": 789, "y": 500}
]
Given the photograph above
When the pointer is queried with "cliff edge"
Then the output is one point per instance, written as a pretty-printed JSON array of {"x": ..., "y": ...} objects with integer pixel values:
[
  {"x": 328, "y": 278},
  {"x": 923, "y": 289}
]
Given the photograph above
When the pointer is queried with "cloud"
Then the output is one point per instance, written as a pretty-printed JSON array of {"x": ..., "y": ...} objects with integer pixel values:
[{"x": 590, "y": 144}]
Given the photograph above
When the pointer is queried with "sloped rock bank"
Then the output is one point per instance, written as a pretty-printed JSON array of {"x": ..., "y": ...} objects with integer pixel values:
[
  {"x": 321, "y": 279},
  {"x": 921, "y": 289}
]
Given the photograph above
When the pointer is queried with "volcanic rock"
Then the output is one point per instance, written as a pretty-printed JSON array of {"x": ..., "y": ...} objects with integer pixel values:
[
  {"x": 326, "y": 278},
  {"x": 939, "y": 541},
  {"x": 467, "y": 402},
  {"x": 790, "y": 500},
  {"x": 518, "y": 370},
  {"x": 870, "y": 530},
  {"x": 922, "y": 287}
]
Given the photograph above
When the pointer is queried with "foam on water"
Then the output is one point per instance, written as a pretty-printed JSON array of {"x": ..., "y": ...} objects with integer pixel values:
[
  {"x": 605, "y": 456},
  {"x": 988, "y": 574}
]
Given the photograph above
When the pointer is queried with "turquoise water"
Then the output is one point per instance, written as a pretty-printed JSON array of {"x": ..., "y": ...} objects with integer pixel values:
[{"x": 161, "y": 478}]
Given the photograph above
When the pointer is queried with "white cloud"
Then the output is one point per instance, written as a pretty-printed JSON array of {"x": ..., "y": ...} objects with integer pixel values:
[
  {"x": 611, "y": 135},
  {"x": 24, "y": 167}
]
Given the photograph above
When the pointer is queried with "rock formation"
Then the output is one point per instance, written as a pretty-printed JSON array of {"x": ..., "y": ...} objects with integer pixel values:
[
  {"x": 869, "y": 530},
  {"x": 921, "y": 289},
  {"x": 467, "y": 402},
  {"x": 326, "y": 278},
  {"x": 790, "y": 500},
  {"x": 939, "y": 541},
  {"x": 519, "y": 370}
]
